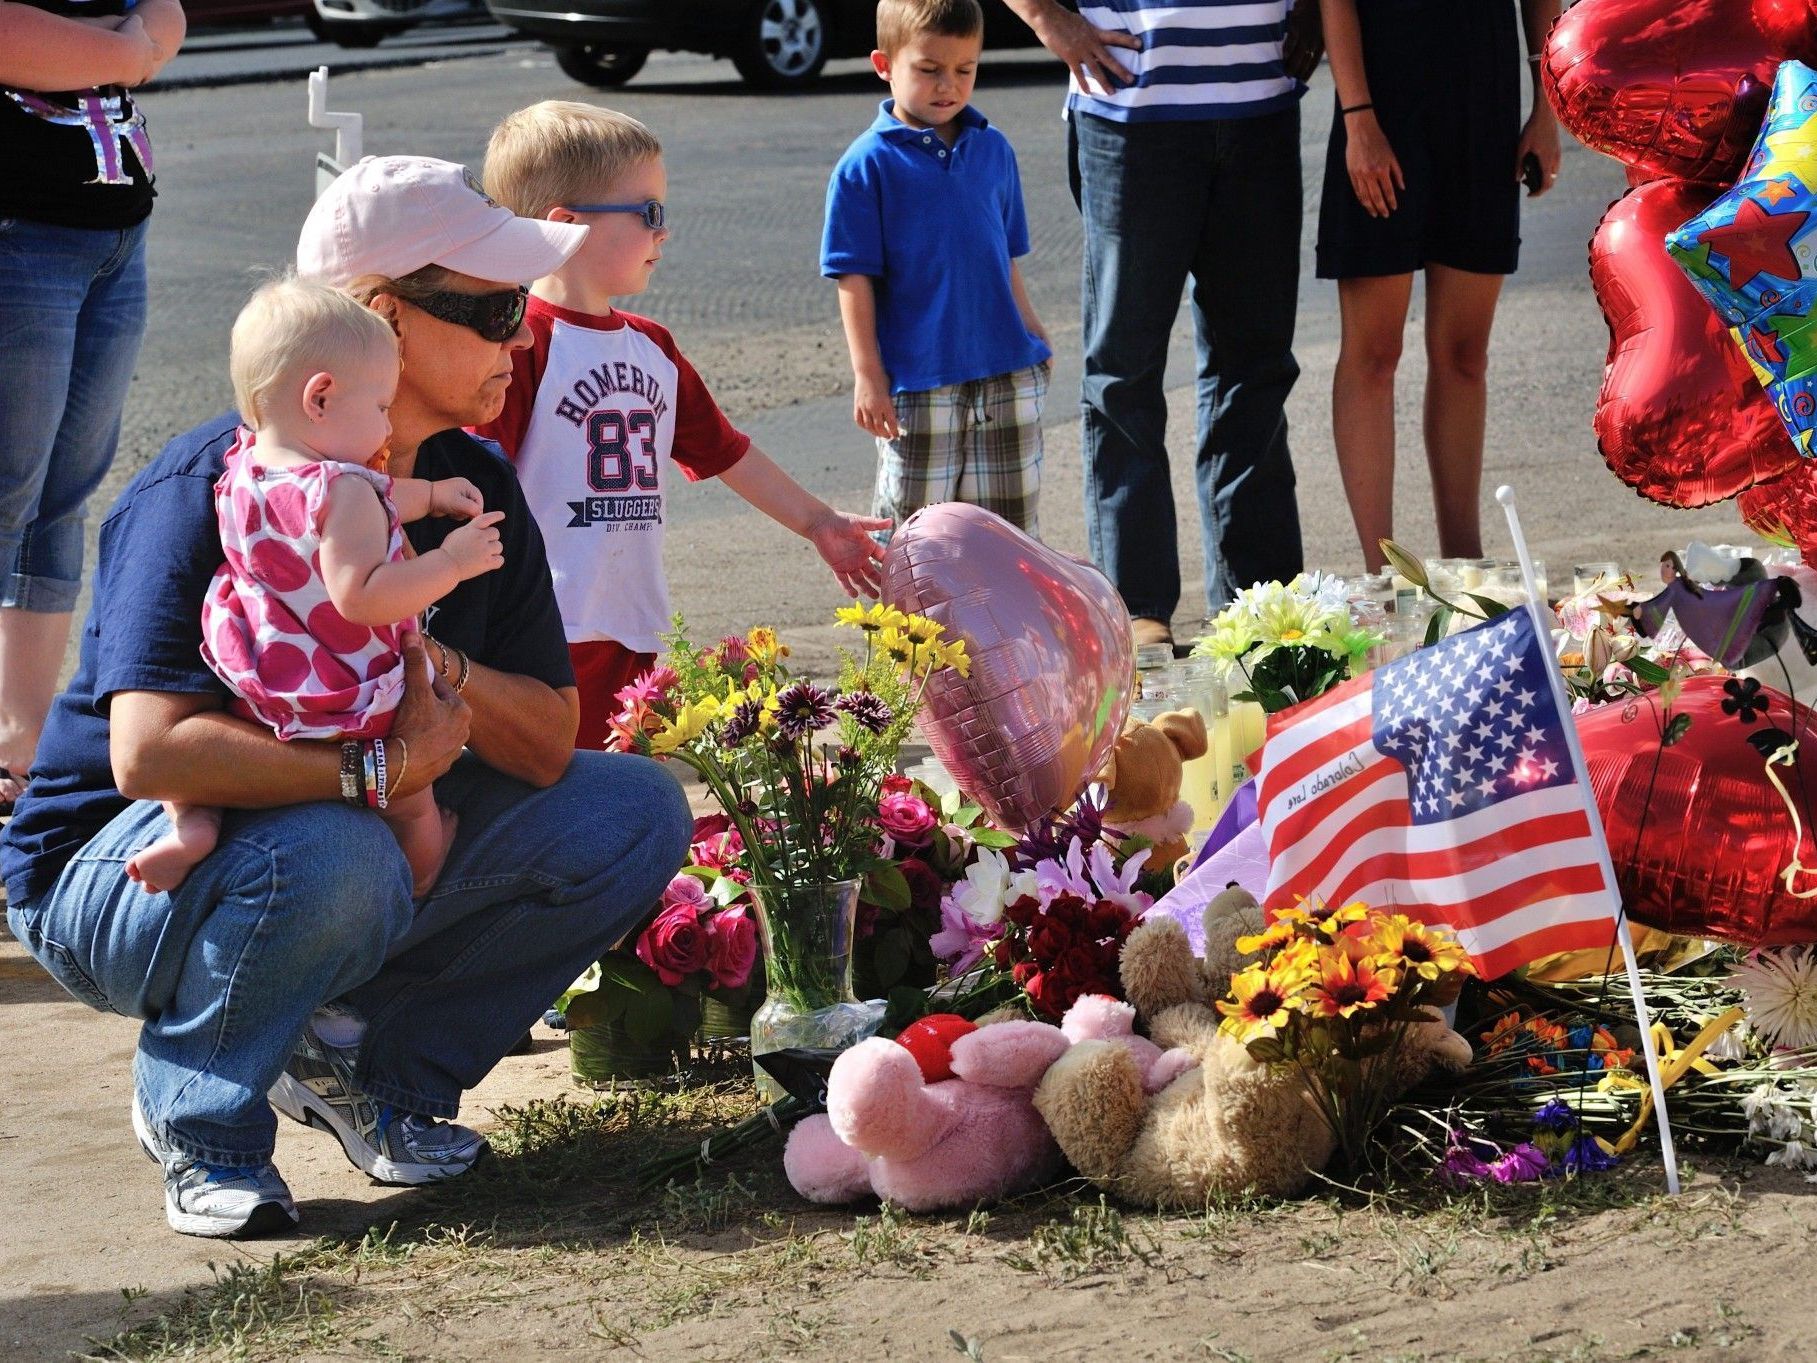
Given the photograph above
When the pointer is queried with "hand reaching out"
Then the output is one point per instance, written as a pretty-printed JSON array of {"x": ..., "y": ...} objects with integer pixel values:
[
  {"x": 455, "y": 497},
  {"x": 844, "y": 542}
]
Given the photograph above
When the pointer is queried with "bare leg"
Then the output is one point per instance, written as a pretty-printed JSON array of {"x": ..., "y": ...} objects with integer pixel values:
[
  {"x": 162, "y": 866},
  {"x": 1460, "y": 310},
  {"x": 425, "y": 832},
  {"x": 31, "y": 655},
  {"x": 1374, "y": 314}
]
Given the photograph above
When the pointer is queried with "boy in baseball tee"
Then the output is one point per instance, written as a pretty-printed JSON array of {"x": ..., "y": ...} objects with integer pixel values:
[
  {"x": 924, "y": 222},
  {"x": 603, "y": 402}
]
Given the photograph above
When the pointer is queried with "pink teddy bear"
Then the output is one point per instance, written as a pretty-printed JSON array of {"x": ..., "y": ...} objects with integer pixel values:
[{"x": 945, "y": 1116}]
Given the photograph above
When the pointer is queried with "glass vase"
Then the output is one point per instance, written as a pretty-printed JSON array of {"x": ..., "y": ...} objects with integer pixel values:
[
  {"x": 602, "y": 1055},
  {"x": 806, "y": 931}
]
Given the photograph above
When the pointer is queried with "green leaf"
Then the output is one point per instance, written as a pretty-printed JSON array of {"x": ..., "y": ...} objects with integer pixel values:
[
  {"x": 1648, "y": 671},
  {"x": 649, "y": 1016},
  {"x": 949, "y": 804},
  {"x": 618, "y": 971},
  {"x": 1491, "y": 609},
  {"x": 906, "y": 1004},
  {"x": 993, "y": 837},
  {"x": 890, "y": 959},
  {"x": 887, "y": 887},
  {"x": 1676, "y": 729},
  {"x": 1437, "y": 625},
  {"x": 966, "y": 815},
  {"x": 1267, "y": 1050}
]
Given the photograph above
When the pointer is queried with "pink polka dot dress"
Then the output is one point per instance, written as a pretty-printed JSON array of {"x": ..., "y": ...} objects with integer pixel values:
[{"x": 268, "y": 628}]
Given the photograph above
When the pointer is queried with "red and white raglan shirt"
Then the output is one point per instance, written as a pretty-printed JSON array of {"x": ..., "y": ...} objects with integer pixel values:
[{"x": 598, "y": 410}]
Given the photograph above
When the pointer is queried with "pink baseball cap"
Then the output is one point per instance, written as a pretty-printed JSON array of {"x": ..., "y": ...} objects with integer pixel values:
[{"x": 390, "y": 215}]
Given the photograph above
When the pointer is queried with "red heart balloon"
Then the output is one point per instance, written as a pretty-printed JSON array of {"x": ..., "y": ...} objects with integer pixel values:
[
  {"x": 1672, "y": 87},
  {"x": 1052, "y": 662},
  {"x": 1786, "y": 508},
  {"x": 1681, "y": 418},
  {"x": 1697, "y": 833}
]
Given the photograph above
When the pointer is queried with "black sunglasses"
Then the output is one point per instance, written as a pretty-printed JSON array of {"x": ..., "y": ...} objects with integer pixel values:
[
  {"x": 495, "y": 316},
  {"x": 651, "y": 211}
]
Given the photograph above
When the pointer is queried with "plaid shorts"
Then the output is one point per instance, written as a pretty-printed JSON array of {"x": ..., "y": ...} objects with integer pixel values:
[{"x": 977, "y": 442}]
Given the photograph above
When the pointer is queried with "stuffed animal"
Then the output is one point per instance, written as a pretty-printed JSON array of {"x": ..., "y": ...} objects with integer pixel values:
[
  {"x": 1228, "y": 1124},
  {"x": 1142, "y": 779},
  {"x": 944, "y": 1115}
]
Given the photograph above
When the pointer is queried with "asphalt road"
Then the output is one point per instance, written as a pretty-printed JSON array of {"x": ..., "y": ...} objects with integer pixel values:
[{"x": 739, "y": 287}]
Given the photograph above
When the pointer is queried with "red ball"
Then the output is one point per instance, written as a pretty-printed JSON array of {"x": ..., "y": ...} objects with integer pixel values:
[{"x": 930, "y": 1041}]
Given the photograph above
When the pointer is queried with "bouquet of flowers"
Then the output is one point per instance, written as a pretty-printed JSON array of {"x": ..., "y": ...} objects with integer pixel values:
[
  {"x": 1289, "y": 643},
  {"x": 799, "y": 770},
  {"x": 929, "y": 841},
  {"x": 1334, "y": 993},
  {"x": 1054, "y": 927},
  {"x": 700, "y": 942}
]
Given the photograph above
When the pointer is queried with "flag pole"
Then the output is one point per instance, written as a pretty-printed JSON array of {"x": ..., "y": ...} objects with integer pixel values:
[{"x": 1669, "y": 1154}]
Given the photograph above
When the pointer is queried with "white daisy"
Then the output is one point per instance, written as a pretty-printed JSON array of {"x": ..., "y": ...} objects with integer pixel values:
[{"x": 1780, "y": 990}]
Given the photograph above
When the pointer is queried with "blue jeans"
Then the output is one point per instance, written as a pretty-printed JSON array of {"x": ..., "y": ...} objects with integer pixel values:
[
  {"x": 72, "y": 312},
  {"x": 312, "y": 902},
  {"x": 1216, "y": 201}
]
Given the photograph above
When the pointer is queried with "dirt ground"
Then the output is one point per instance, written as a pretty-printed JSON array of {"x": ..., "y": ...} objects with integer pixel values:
[{"x": 550, "y": 1251}]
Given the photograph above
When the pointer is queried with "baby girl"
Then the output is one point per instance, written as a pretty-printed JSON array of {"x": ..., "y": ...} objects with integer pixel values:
[{"x": 305, "y": 620}]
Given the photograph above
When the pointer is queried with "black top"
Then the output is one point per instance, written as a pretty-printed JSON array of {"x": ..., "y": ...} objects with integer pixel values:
[
  {"x": 79, "y": 158},
  {"x": 160, "y": 547}
]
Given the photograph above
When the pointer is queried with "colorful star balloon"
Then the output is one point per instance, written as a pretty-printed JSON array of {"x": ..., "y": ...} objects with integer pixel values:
[{"x": 1752, "y": 253}]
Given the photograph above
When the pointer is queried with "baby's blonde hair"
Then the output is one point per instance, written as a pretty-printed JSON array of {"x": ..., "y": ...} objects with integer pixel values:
[
  {"x": 293, "y": 327},
  {"x": 560, "y": 151}
]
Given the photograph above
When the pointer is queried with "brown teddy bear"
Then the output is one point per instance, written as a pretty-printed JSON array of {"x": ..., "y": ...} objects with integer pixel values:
[
  {"x": 1142, "y": 779},
  {"x": 1226, "y": 1126}
]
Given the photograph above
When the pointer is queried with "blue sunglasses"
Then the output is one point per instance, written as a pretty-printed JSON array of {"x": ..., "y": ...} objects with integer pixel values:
[{"x": 651, "y": 211}]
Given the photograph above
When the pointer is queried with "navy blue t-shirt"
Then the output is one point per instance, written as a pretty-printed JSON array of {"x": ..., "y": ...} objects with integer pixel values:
[
  {"x": 935, "y": 228},
  {"x": 160, "y": 548}
]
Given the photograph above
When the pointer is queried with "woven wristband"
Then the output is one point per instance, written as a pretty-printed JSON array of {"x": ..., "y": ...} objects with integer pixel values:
[{"x": 381, "y": 778}]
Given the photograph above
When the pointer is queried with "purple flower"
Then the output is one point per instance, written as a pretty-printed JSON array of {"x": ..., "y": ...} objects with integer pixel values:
[
  {"x": 801, "y": 709},
  {"x": 741, "y": 724},
  {"x": 1586, "y": 1157},
  {"x": 1523, "y": 1164},
  {"x": 1555, "y": 1116},
  {"x": 868, "y": 710},
  {"x": 962, "y": 939}
]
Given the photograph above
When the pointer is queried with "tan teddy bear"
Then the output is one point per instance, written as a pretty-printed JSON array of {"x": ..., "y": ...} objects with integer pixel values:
[
  {"x": 1228, "y": 1125},
  {"x": 1142, "y": 779}
]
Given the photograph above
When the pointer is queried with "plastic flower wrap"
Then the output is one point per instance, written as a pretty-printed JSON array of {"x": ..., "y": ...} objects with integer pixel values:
[
  {"x": 1288, "y": 643},
  {"x": 1333, "y": 992}
]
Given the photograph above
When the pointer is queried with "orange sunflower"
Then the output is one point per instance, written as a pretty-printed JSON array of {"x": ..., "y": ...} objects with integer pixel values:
[
  {"x": 1344, "y": 986},
  {"x": 1420, "y": 950},
  {"x": 1264, "y": 1000}
]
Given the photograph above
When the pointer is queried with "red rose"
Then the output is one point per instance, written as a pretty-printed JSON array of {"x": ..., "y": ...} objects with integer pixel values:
[
  {"x": 1071, "y": 910},
  {"x": 1022, "y": 912},
  {"x": 731, "y": 947},
  {"x": 926, "y": 888},
  {"x": 1001, "y": 952},
  {"x": 1080, "y": 966},
  {"x": 906, "y": 818},
  {"x": 897, "y": 784},
  {"x": 1049, "y": 995},
  {"x": 1048, "y": 939},
  {"x": 1023, "y": 972},
  {"x": 675, "y": 944}
]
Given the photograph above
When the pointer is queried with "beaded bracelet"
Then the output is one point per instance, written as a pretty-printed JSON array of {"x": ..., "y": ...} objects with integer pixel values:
[
  {"x": 351, "y": 755},
  {"x": 381, "y": 778}
]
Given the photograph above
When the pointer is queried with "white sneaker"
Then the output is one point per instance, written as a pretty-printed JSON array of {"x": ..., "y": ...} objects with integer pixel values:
[{"x": 214, "y": 1200}]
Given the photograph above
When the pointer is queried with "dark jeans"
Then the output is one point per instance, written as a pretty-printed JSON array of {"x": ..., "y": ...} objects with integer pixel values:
[{"x": 1216, "y": 200}]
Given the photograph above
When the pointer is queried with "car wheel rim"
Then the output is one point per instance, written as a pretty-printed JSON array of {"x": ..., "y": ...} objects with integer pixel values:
[{"x": 791, "y": 36}]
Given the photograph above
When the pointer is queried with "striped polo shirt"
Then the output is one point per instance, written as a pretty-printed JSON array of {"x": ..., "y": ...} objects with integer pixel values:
[{"x": 1199, "y": 59}]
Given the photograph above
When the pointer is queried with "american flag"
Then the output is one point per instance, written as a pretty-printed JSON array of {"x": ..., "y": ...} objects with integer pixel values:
[{"x": 1441, "y": 786}]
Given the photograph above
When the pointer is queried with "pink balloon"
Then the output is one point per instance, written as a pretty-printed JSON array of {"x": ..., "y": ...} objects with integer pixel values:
[{"x": 1052, "y": 662}]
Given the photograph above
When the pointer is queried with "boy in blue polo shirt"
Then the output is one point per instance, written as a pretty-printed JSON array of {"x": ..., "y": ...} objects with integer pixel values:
[{"x": 924, "y": 222}]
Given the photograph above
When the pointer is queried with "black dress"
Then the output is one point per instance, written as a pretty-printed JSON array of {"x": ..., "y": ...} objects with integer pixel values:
[{"x": 1445, "y": 79}]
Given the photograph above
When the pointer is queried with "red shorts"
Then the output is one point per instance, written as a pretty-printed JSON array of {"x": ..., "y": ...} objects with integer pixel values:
[{"x": 603, "y": 668}]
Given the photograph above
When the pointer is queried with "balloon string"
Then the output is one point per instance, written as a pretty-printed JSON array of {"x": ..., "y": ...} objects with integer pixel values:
[{"x": 1785, "y": 757}]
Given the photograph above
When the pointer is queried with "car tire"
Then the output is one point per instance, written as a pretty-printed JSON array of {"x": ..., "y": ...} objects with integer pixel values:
[
  {"x": 784, "y": 43},
  {"x": 604, "y": 66},
  {"x": 344, "y": 34}
]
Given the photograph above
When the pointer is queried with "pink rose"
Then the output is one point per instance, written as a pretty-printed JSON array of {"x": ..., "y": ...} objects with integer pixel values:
[
  {"x": 731, "y": 948},
  {"x": 906, "y": 818},
  {"x": 685, "y": 889},
  {"x": 675, "y": 944}
]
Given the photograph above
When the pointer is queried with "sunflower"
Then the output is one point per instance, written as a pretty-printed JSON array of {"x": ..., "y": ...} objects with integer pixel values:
[
  {"x": 1419, "y": 950},
  {"x": 921, "y": 629},
  {"x": 1344, "y": 987},
  {"x": 689, "y": 723},
  {"x": 953, "y": 655},
  {"x": 1277, "y": 934},
  {"x": 872, "y": 619},
  {"x": 1264, "y": 999},
  {"x": 897, "y": 645}
]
